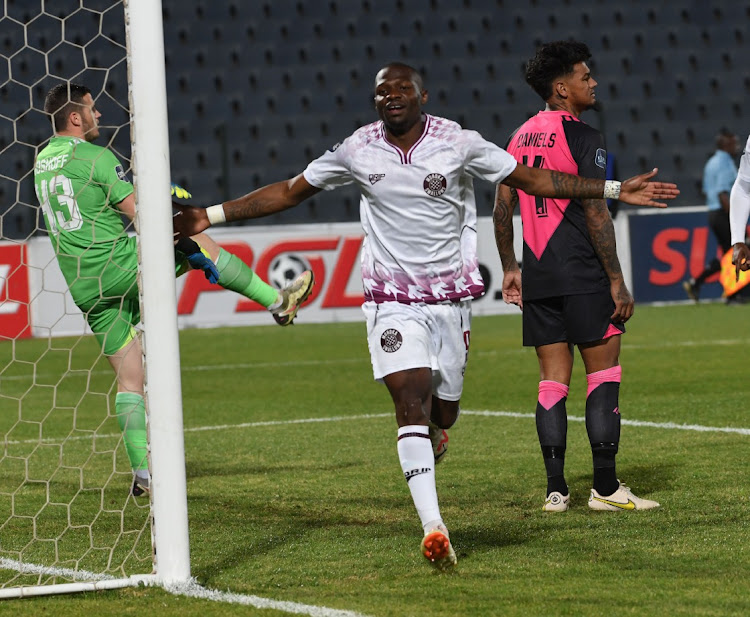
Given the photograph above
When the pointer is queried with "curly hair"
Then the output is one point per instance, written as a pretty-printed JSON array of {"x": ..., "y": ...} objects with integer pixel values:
[{"x": 552, "y": 61}]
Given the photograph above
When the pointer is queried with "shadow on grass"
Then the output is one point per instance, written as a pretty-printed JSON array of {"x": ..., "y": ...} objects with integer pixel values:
[
  {"x": 242, "y": 468},
  {"x": 287, "y": 530},
  {"x": 642, "y": 479}
]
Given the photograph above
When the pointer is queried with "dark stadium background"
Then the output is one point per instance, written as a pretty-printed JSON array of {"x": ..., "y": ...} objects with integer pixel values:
[{"x": 257, "y": 89}]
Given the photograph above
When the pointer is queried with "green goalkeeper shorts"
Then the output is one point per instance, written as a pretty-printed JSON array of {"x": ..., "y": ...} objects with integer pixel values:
[{"x": 114, "y": 314}]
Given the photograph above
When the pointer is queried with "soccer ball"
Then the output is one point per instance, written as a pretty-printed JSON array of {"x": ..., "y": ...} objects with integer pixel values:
[{"x": 285, "y": 268}]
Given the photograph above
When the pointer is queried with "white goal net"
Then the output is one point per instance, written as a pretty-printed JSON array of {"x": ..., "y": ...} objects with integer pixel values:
[{"x": 67, "y": 514}]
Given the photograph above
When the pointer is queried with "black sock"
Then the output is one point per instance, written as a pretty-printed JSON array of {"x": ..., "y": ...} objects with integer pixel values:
[
  {"x": 552, "y": 429},
  {"x": 603, "y": 427},
  {"x": 605, "y": 471}
]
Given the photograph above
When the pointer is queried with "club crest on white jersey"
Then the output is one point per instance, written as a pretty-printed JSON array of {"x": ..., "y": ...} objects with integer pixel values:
[
  {"x": 420, "y": 225},
  {"x": 435, "y": 185}
]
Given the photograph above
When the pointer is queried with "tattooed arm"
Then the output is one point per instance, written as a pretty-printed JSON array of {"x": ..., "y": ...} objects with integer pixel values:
[
  {"x": 261, "y": 202},
  {"x": 602, "y": 232},
  {"x": 270, "y": 199},
  {"x": 638, "y": 190},
  {"x": 506, "y": 201}
]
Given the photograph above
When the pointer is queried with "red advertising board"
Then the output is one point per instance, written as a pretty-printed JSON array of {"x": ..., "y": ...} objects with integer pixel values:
[
  {"x": 15, "y": 320},
  {"x": 341, "y": 252}
]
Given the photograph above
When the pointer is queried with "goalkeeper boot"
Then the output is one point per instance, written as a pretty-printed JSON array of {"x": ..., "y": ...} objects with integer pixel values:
[
  {"x": 140, "y": 487},
  {"x": 437, "y": 548},
  {"x": 439, "y": 439},
  {"x": 293, "y": 295},
  {"x": 556, "y": 502},
  {"x": 621, "y": 499}
]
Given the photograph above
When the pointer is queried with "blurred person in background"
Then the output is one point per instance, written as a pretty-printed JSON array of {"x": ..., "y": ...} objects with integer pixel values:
[{"x": 719, "y": 174}]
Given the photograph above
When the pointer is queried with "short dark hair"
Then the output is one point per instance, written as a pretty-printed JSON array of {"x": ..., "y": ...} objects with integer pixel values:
[
  {"x": 62, "y": 100},
  {"x": 724, "y": 137},
  {"x": 552, "y": 61},
  {"x": 416, "y": 76}
]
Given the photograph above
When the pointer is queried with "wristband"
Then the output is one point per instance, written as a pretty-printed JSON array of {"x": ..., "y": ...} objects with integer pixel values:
[
  {"x": 216, "y": 214},
  {"x": 611, "y": 189}
]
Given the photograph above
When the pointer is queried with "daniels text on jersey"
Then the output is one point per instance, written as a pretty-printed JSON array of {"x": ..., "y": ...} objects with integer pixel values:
[{"x": 535, "y": 140}]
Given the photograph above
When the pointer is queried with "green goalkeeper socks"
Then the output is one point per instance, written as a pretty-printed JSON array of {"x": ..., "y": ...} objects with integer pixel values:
[
  {"x": 236, "y": 275},
  {"x": 131, "y": 416}
]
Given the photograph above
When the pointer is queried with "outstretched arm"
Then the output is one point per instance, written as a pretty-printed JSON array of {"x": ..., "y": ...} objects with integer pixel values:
[
  {"x": 261, "y": 202},
  {"x": 638, "y": 190},
  {"x": 506, "y": 201}
]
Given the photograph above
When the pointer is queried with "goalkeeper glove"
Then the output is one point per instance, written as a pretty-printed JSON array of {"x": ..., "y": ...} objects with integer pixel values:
[
  {"x": 175, "y": 190},
  {"x": 197, "y": 259},
  {"x": 200, "y": 262}
]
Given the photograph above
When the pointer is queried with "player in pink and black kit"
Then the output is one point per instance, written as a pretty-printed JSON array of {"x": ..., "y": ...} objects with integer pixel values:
[{"x": 573, "y": 289}]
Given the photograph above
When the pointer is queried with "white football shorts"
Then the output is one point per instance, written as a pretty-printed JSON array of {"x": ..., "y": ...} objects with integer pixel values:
[{"x": 407, "y": 336}]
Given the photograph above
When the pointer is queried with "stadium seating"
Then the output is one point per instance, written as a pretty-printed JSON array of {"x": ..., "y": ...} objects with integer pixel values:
[{"x": 258, "y": 89}]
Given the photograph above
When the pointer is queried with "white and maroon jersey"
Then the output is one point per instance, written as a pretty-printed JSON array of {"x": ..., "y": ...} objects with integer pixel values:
[
  {"x": 417, "y": 208},
  {"x": 739, "y": 198},
  {"x": 558, "y": 255},
  {"x": 744, "y": 166}
]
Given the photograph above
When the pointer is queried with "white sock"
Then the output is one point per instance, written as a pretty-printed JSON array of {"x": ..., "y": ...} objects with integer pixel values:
[
  {"x": 142, "y": 475},
  {"x": 418, "y": 464}
]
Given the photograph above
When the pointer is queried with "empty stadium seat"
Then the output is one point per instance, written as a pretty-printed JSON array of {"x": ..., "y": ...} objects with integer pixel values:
[{"x": 287, "y": 78}]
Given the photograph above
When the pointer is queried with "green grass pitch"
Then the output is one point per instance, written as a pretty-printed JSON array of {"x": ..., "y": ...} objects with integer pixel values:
[{"x": 318, "y": 512}]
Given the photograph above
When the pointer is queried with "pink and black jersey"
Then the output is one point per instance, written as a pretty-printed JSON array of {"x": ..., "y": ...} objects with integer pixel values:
[
  {"x": 417, "y": 208},
  {"x": 558, "y": 256}
]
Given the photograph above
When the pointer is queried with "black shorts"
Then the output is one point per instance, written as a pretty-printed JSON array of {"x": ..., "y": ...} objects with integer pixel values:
[{"x": 582, "y": 318}]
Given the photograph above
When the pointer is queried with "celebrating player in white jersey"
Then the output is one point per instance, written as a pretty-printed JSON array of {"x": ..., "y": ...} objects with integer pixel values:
[
  {"x": 739, "y": 210},
  {"x": 419, "y": 264}
]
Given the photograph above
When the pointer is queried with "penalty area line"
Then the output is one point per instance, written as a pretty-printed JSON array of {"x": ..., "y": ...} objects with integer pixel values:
[
  {"x": 669, "y": 426},
  {"x": 497, "y": 414}
]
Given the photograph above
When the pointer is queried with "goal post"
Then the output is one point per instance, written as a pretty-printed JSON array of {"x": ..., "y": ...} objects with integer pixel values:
[
  {"x": 67, "y": 520},
  {"x": 148, "y": 95}
]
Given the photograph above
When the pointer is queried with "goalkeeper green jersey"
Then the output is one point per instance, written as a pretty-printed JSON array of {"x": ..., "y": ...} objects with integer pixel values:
[{"x": 78, "y": 185}]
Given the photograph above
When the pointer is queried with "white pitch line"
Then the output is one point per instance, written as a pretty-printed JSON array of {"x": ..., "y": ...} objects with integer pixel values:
[
  {"x": 369, "y": 416},
  {"x": 23, "y": 567},
  {"x": 219, "y": 427},
  {"x": 365, "y": 359},
  {"x": 216, "y": 427},
  {"x": 190, "y": 589},
  {"x": 642, "y": 423},
  {"x": 193, "y": 590},
  {"x": 83, "y": 373}
]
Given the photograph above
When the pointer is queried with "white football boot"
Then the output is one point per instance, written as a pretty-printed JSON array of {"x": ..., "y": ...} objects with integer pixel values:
[
  {"x": 556, "y": 502},
  {"x": 621, "y": 499}
]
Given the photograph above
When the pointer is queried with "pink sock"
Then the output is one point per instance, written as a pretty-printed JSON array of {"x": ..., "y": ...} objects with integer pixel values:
[
  {"x": 551, "y": 392},
  {"x": 594, "y": 380}
]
